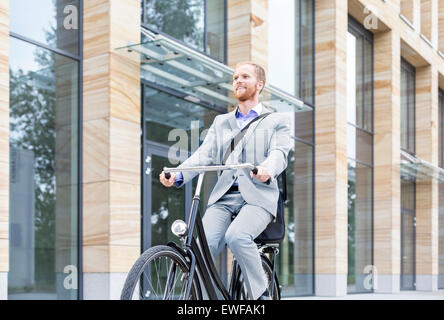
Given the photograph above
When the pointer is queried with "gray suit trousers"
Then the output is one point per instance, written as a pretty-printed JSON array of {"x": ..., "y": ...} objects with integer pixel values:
[{"x": 239, "y": 235}]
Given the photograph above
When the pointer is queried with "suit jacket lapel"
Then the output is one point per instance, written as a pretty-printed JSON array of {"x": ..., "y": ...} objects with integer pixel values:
[{"x": 233, "y": 122}]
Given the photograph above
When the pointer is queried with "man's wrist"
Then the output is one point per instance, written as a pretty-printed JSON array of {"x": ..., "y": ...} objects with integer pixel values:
[{"x": 179, "y": 180}]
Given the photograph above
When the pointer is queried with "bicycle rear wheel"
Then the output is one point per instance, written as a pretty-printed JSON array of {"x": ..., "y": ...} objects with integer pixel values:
[
  {"x": 241, "y": 292},
  {"x": 160, "y": 273}
]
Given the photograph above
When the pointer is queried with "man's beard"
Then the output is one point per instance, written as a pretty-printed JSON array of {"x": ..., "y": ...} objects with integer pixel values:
[{"x": 246, "y": 95}]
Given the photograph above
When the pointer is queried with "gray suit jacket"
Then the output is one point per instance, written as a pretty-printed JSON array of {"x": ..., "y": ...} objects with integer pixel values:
[{"x": 266, "y": 143}]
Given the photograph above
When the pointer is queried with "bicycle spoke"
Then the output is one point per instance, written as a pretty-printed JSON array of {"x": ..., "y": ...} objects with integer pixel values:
[{"x": 161, "y": 276}]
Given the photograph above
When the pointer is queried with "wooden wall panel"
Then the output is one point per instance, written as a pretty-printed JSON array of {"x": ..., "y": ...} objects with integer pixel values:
[
  {"x": 426, "y": 18},
  {"x": 111, "y": 137},
  {"x": 407, "y": 9},
  {"x": 248, "y": 32},
  {"x": 427, "y": 191},
  {"x": 387, "y": 156},
  {"x": 239, "y": 31},
  {"x": 331, "y": 163},
  {"x": 259, "y": 32}
]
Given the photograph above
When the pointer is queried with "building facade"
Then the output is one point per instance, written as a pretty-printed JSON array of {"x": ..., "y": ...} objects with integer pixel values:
[{"x": 97, "y": 96}]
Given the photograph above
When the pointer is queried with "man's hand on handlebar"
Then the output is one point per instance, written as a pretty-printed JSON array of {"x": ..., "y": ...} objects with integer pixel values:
[
  {"x": 167, "y": 182},
  {"x": 261, "y": 174}
]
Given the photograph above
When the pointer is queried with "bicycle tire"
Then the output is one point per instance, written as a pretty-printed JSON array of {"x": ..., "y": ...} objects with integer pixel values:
[
  {"x": 240, "y": 292},
  {"x": 150, "y": 255}
]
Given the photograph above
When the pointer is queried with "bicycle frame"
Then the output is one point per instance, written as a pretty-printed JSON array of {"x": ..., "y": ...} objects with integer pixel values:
[{"x": 200, "y": 256}]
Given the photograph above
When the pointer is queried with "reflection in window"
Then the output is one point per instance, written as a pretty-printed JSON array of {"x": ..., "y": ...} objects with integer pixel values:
[
  {"x": 43, "y": 173},
  {"x": 51, "y": 22},
  {"x": 168, "y": 117},
  {"x": 295, "y": 265},
  {"x": 198, "y": 23},
  {"x": 441, "y": 190},
  {"x": 407, "y": 107},
  {"x": 171, "y": 121},
  {"x": 290, "y": 53},
  {"x": 167, "y": 205},
  {"x": 359, "y": 155},
  {"x": 360, "y": 209},
  {"x": 408, "y": 212}
]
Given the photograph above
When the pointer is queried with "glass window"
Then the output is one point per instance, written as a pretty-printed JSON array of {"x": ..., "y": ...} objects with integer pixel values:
[
  {"x": 360, "y": 155},
  {"x": 407, "y": 107},
  {"x": 360, "y": 207},
  {"x": 303, "y": 125},
  {"x": 360, "y": 77},
  {"x": 295, "y": 267},
  {"x": 290, "y": 53},
  {"x": 408, "y": 260},
  {"x": 441, "y": 237},
  {"x": 52, "y": 22},
  {"x": 359, "y": 145},
  {"x": 441, "y": 191},
  {"x": 198, "y": 23},
  {"x": 43, "y": 174},
  {"x": 441, "y": 128},
  {"x": 167, "y": 117}
]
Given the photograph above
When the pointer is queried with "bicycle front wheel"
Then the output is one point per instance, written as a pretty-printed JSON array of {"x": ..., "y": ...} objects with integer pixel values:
[{"x": 160, "y": 273}]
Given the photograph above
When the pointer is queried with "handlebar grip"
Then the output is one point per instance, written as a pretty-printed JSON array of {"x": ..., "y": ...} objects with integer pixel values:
[
  {"x": 167, "y": 175},
  {"x": 254, "y": 170}
]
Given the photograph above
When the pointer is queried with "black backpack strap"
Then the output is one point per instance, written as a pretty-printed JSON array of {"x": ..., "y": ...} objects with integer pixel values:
[
  {"x": 239, "y": 137},
  {"x": 284, "y": 185}
]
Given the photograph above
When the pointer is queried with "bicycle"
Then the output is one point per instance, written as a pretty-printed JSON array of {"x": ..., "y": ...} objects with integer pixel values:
[{"x": 167, "y": 272}]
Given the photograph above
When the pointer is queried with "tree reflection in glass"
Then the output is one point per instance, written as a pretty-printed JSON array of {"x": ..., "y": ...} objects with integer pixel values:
[{"x": 43, "y": 185}]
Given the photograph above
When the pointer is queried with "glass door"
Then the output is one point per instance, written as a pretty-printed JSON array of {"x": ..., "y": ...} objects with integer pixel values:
[
  {"x": 408, "y": 241},
  {"x": 161, "y": 205},
  {"x": 173, "y": 127}
]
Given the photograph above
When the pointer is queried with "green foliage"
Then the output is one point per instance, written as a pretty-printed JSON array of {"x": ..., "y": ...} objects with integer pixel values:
[
  {"x": 32, "y": 127},
  {"x": 182, "y": 19}
]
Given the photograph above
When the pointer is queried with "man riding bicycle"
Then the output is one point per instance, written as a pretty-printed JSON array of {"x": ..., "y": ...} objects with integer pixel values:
[{"x": 252, "y": 198}]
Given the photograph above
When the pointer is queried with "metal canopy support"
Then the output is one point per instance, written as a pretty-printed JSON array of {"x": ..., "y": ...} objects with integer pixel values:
[
  {"x": 171, "y": 64},
  {"x": 418, "y": 169}
]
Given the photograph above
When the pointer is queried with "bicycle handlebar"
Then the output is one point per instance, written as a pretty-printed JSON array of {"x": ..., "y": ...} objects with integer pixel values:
[{"x": 210, "y": 168}]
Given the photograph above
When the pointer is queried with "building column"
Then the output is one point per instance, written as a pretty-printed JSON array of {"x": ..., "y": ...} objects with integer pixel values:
[
  {"x": 427, "y": 229},
  {"x": 4, "y": 149},
  {"x": 387, "y": 193},
  {"x": 247, "y": 32},
  {"x": 111, "y": 147},
  {"x": 331, "y": 144}
]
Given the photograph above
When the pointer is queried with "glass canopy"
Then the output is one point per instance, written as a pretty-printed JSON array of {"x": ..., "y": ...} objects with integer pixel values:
[
  {"x": 413, "y": 168},
  {"x": 171, "y": 64}
]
